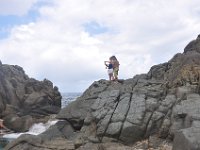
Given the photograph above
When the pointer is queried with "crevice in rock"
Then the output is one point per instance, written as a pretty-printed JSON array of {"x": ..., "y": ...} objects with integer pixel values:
[
  {"x": 101, "y": 138},
  {"x": 147, "y": 124},
  {"x": 171, "y": 108},
  {"x": 146, "y": 135},
  {"x": 168, "y": 112},
  {"x": 165, "y": 87},
  {"x": 129, "y": 105},
  {"x": 76, "y": 125},
  {"x": 198, "y": 87}
]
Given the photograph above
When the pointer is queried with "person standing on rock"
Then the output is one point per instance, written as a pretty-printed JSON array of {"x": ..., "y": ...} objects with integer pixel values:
[
  {"x": 109, "y": 66},
  {"x": 115, "y": 64}
]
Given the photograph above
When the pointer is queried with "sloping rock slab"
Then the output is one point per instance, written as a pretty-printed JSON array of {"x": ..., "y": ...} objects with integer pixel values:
[{"x": 187, "y": 139}]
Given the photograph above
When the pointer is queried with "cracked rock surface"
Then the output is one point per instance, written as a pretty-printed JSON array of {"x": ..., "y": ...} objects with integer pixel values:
[
  {"x": 23, "y": 100},
  {"x": 164, "y": 102}
]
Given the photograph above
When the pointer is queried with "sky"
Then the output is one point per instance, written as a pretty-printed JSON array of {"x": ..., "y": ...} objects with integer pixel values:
[{"x": 67, "y": 41}]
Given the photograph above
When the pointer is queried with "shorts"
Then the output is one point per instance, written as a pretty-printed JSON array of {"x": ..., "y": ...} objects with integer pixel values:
[{"x": 110, "y": 71}]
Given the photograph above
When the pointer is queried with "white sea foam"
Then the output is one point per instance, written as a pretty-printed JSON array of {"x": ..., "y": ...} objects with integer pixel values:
[
  {"x": 40, "y": 127},
  {"x": 34, "y": 130}
]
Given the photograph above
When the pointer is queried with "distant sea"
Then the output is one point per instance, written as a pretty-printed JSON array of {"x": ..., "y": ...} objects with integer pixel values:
[
  {"x": 40, "y": 127},
  {"x": 69, "y": 97}
]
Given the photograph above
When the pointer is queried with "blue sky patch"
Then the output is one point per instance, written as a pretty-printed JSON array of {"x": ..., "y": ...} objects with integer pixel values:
[
  {"x": 43, "y": 3},
  {"x": 7, "y": 22},
  {"x": 94, "y": 28}
]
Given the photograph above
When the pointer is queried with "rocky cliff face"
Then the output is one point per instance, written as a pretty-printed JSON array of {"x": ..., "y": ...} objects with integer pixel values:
[
  {"x": 163, "y": 103},
  {"x": 24, "y": 99}
]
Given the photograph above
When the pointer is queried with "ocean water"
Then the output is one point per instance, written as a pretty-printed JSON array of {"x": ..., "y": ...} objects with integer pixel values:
[
  {"x": 69, "y": 97},
  {"x": 40, "y": 127}
]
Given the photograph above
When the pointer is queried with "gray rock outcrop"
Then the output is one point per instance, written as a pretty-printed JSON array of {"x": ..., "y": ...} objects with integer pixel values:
[
  {"x": 23, "y": 100},
  {"x": 164, "y": 102}
]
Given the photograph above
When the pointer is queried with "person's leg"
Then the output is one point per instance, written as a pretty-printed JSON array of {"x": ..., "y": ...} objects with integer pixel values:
[
  {"x": 116, "y": 74},
  {"x": 112, "y": 77},
  {"x": 109, "y": 76}
]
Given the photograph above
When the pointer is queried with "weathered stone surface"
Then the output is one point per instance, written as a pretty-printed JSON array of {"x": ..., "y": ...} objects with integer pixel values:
[
  {"x": 164, "y": 129},
  {"x": 105, "y": 146},
  {"x": 60, "y": 129},
  {"x": 25, "y": 98},
  {"x": 77, "y": 111},
  {"x": 19, "y": 124},
  {"x": 185, "y": 112},
  {"x": 164, "y": 103},
  {"x": 152, "y": 104},
  {"x": 187, "y": 139},
  {"x": 131, "y": 133},
  {"x": 29, "y": 139},
  {"x": 137, "y": 109},
  {"x": 193, "y": 46},
  {"x": 35, "y": 143},
  {"x": 122, "y": 108},
  {"x": 114, "y": 128},
  {"x": 103, "y": 125}
]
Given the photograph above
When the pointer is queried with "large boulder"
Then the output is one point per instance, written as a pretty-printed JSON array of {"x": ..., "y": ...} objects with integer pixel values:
[
  {"x": 18, "y": 124},
  {"x": 161, "y": 102},
  {"x": 77, "y": 111},
  {"x": 164, "y": 103},
  {"x": 23, "y": 100}
]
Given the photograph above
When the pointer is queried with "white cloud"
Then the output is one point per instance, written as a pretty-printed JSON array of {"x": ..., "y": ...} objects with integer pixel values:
[
  {"x": 15, "y": 7},
  {"x": 140, "y": 33}
]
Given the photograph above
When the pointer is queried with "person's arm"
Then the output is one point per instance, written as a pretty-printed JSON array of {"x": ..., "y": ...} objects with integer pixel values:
[{"x": 105, "y": 63}]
